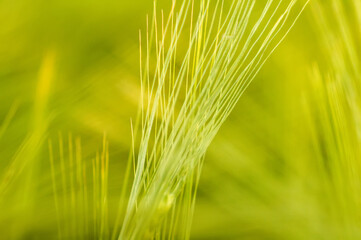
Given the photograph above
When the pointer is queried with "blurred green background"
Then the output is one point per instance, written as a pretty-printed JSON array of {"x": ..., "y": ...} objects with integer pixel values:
[{"x": 73, "y": 67}]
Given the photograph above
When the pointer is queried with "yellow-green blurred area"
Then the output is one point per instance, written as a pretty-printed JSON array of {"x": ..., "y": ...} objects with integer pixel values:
[{"x": 69, "y": 75}]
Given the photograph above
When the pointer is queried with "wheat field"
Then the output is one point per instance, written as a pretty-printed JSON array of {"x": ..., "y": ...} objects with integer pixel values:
[{"x": 181, "y": 119}]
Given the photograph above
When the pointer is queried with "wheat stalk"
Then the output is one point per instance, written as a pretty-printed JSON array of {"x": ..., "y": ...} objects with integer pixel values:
[{"x": 187, "y": 96}]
